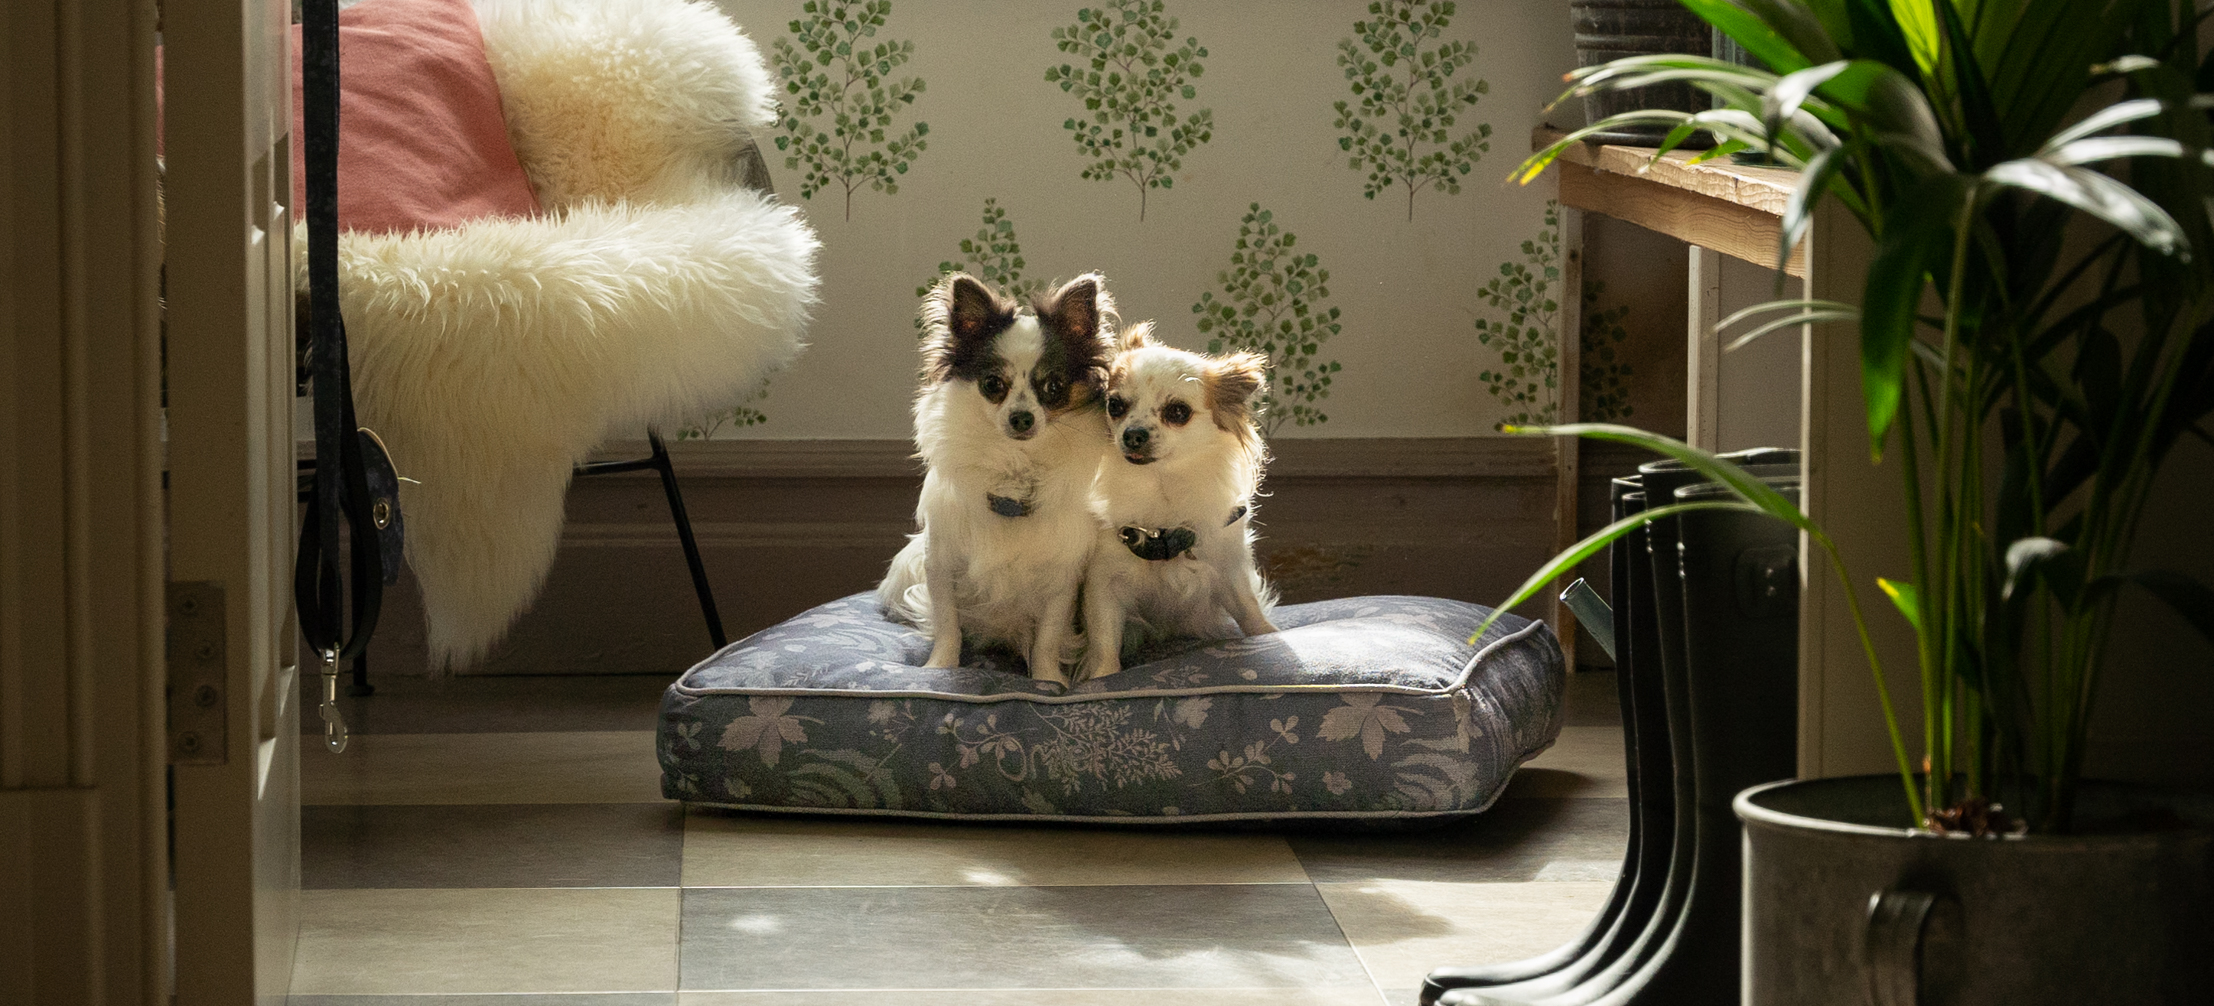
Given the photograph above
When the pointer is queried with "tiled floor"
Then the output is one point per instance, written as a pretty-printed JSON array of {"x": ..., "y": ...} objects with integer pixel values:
[{"x": 503, "y": 842}]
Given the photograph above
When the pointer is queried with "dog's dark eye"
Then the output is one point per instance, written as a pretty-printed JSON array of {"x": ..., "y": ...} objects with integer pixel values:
[
  {"x": 1052, "y": 389},
  {"x": 1117, "y": 408},
  {"x": 993, "y": 387},
  {"x": 1176, "y": 414}
]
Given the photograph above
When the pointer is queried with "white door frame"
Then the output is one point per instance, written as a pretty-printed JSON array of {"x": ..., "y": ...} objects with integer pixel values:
[
  {"x": 231, "y": 490},
  {"x": 83, "y": 871}
]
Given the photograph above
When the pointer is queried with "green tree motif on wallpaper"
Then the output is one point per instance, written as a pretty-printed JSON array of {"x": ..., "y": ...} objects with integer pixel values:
[
  {"x": 994, "y": 255},
  {"x": 1407, "y": 102},
  {"x": 832, "y": 76},
  {"x": 1527, "y": 378},
  {"x": 1132, "y": 76},
  {"x": 1604, "y": 394},
  {"x": 1271, "y": 304}
]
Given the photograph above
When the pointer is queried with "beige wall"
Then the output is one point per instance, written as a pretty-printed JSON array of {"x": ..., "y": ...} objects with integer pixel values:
[{"x": 1407, "y": 290}]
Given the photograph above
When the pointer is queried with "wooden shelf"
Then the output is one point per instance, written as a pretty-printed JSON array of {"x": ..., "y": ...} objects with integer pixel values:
[{"x": 1727, "y": 207}]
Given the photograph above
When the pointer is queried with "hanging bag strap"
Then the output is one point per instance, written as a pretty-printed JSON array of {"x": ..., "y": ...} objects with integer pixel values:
[{"x": 348, "y": 458}]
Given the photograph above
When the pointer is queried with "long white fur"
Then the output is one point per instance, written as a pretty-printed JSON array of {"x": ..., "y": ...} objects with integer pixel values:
[
  {"x": 1014, "y": 580},
  {"x": 491, "y": 357},
  {"x": 644, "y": 100},
  {"x": 1203, "y": 473}
]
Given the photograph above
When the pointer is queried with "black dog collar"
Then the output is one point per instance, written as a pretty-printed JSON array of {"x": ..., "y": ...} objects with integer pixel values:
[
  {"x": 1159, "y": 543},
  {"x": 1164, "y": 542},
  {"x": 1007, "y": 506}
]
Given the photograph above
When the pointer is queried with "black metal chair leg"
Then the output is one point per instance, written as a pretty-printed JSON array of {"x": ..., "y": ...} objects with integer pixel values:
[{"x": 684, "y": 535}]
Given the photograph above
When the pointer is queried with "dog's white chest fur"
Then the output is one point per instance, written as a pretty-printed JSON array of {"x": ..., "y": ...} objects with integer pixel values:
[
  {"x": 1008, "y": 560},
  {"x": 1180, "y": 595},
  {"x": 1003, "y": 565}
]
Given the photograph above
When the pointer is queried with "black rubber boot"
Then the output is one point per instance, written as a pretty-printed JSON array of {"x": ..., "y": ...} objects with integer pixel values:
[
  {"x": 1647, "y": 771},
  {"x": 1741, "y": 638},
  {"x": 1661, "y": 961}
]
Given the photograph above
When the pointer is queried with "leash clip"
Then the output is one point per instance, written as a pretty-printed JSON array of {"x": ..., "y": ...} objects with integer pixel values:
[{"x": 334, "y": 722}]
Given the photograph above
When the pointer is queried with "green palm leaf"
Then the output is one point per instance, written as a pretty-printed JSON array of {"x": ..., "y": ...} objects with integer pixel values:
[
  {"x": 1566, "y": 562},
  {"x": 2096, "y": 194}
]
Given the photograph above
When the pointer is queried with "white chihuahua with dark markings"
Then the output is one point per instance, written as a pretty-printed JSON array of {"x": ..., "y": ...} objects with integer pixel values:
[
  {"x": 1174, "y": 507},
  {"x": 1009, "y": 423}
]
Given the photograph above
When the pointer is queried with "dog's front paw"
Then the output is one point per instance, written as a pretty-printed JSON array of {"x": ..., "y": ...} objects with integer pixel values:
[
  {"x": 1097, "y": 666},
  {"x": 944, "y": 655},
  {"x": 1045, "y": 663}
]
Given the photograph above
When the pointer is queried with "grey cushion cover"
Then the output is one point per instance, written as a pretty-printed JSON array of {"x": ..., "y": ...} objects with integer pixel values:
[{"x": 1364, "y": 708}]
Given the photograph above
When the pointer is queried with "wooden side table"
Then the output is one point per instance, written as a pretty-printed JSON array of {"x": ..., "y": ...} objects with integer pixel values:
[{"x": 1720, "y": 209}]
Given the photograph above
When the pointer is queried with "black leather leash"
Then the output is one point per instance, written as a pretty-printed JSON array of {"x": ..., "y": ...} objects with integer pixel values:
[{"x": 353, "y": 477}]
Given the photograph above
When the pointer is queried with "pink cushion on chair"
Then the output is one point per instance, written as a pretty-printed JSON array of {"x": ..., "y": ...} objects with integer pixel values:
[
  {"x": 421, "y": 141},
  {"x": 422, "y": 144}
]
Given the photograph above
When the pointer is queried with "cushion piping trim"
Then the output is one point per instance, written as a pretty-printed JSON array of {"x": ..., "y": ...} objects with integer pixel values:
[{"x": 1459, "y": 682}]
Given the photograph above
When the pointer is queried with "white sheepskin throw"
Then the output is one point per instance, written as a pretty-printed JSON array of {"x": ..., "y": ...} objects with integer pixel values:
[
  {"x": 625, "y": 99},
  {"x": 492, "y": 357}
]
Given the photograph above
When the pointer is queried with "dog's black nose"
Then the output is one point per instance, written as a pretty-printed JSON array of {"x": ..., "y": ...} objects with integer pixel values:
[
  {"x": 1021, "y": 422},
  {"x": 1134, "y": 439}
]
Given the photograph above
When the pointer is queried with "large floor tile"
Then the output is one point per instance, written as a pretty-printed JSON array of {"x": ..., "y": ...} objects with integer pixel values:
[
  {"x": 726, "y": 850},
  {"x": 576, "y": 999},
  {"x": 487, "y": 941},
  {"x": 1353, "y": 995},
  {"x": 1227, "y": 936},
  {"x": 1584, "y": 762},
  {"x": 492, "y": 845},
  {"x": 1516, "y": 840},
  {"x": 615, "y": 766},
  {"x": 1404, "y": 928},
  {"x": 468, "y": 704}
]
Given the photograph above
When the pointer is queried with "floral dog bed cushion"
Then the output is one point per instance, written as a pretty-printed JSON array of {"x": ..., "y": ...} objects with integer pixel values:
[{"x": 1366, "y": 708}]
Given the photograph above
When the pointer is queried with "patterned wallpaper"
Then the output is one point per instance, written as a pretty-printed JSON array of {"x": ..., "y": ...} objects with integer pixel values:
[{"x": 1319, "y": 181}]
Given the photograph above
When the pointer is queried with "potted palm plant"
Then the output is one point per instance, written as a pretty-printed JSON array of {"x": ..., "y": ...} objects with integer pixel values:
[{"x": 2039, "y": 171}]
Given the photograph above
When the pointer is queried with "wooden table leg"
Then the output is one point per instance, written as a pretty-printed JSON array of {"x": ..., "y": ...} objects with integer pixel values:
[{"x": 1568, "y": 409}]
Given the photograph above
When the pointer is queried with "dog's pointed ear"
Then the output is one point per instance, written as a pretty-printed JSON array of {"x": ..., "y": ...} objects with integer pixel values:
[
  {"x": 1232, "y": 381},
  {"x": 972, "y": 309},
  {"x": 1137, "y": 336},
  {"x": 959, "y": 318},
  {"x": 1078, "y": 311}
]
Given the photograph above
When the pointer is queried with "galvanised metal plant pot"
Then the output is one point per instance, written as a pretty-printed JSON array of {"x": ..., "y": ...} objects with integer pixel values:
[
  {"x": 1608, "y": 30},
  {"x": 1845, "y": 906}
]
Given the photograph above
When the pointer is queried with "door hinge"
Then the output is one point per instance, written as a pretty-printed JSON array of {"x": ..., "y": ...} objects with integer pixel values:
[{"x": 199, "y": 717}]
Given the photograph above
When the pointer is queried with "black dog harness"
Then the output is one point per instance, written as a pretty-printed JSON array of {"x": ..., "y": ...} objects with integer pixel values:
[{"x": 1157, "y": 544}]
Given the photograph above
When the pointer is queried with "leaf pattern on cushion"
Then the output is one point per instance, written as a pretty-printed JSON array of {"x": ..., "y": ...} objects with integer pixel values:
[
  {"x": 766, "y": 730},
  {"x": 1364, "y": 716},
  {"x": 832, "y": 711}
]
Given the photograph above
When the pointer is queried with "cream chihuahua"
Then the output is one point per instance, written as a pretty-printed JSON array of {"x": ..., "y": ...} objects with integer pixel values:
[{"x": 1174, "y": 504}]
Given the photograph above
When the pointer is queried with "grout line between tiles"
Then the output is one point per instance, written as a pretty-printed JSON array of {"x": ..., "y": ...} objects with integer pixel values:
[
  {"x": 975, "y": 887},
  {"x": 991, "y": 887},
  {"x": 684, "y": 840},
  {"x": 1296, "y": 858},
  {"x": 594, "y": 887},
  {"x": 1373, "y": 981},
  {"x": 1020, "y": 988}
]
